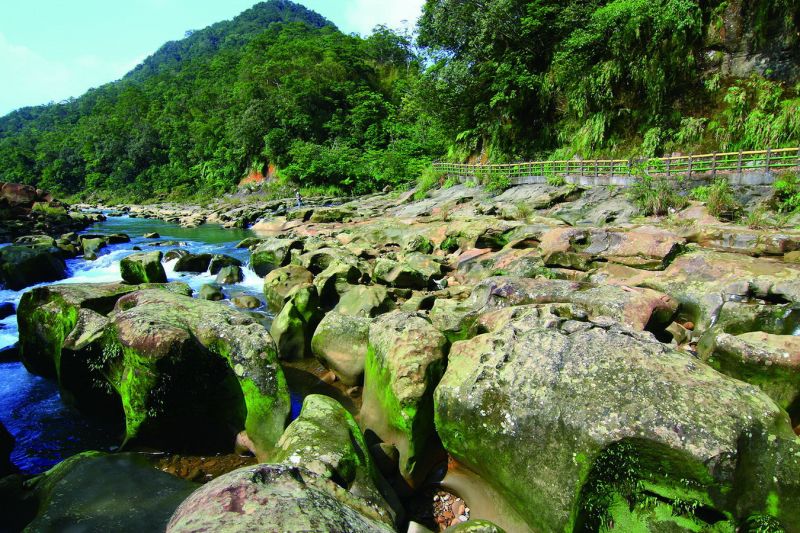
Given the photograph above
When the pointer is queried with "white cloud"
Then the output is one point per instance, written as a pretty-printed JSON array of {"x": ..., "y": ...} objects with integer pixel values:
[
  {"x": 364, "y": 15},
  {"x": 33, "y": 79}
]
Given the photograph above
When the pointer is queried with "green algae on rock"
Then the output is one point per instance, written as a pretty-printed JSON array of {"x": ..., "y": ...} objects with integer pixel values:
[
  {"x": 181, "y": 370},
  {"x": 143, "y": 268},
  {"x": 326, "y": 440},
  {"x": 276, "y": 498},
  {"x": 294, "y": 326},
  {"x": 605, "y": 413},
  {"x": 279, "y": 283},
  {"x": 23, "y": 266},
  {"x": 340, "y": 343},
  {"x": 405, "y": 360}
]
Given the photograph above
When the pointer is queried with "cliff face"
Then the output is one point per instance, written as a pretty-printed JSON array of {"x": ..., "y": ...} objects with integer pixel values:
[{"x": 755, "y": 36}]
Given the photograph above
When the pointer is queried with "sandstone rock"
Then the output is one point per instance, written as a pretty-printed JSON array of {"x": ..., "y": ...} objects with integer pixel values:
[
  {"x": 211, "y": 291},
  {"x": 604, "y": 409},
  {"x": 294, "y": 326},
  {"x": 275, "y": 498},
  {"x": 100, "y": 492},
  {"x": 22, "y": 267},
  {"x": 272, "y": 253},
  {"x": 91, "y": 247},
  {"x": 228, "y": 275},
  {"x": 196, "y": 263},
  {"x": 182, "y": 370},
  {"x": 405, "y": 359},
  {"x": 340, "y": 342},
  {"x": 143, "y": 268},
  {"x": 326, "y": 440},
  {"x": 246, "y": 301},
  {"x": 279, "y": 283},
  {"x": 365, "y": 300}
]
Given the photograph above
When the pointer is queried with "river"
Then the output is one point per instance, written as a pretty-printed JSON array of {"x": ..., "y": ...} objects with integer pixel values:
[{"x": 45, "y": 429}]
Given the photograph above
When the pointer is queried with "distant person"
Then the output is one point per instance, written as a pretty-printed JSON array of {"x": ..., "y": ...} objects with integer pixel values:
[{"x": 298, "y": 198}]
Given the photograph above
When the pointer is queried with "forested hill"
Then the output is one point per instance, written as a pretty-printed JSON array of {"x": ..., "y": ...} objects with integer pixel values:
[
  {"x": 280, "y": 89},
  {"x": 278, "y": 85}
]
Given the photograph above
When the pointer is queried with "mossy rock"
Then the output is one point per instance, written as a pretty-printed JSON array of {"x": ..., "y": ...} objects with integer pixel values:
[
  {"x": 294, "y": 326},
  {"x": 212, "y": 292},
  {"x": 276, "y": 498},
  {"x": 605, "y": 413},
  {"x": 340, "y": 342},
  {"x": 326, "y": 440},
  {"x": 273, "y": 253},
  {"x": 143, "y": 268},
  {"x": 365, "y": 300},
  {"x": 196, "y": 263},
  {"x": 92, "y": 246},
  {"x": 280, "y": 282},
  {"x": 398, "y": 274},
  {"x": 330, "y": 214},
  {"x": 229, "y": 275},
  {"x": 405, "y": 359},
  {"x": 22, "y": 266},
  {"x": 220, "y": 261},
  {"x": 105, "y": 492}
]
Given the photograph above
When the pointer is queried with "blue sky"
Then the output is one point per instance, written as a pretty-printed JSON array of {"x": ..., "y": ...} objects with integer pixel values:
[{"x": 51, "y": 50}]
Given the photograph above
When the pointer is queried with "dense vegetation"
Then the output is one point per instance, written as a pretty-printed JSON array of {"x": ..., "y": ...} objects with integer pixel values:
[{"x": 279, "y": 89}]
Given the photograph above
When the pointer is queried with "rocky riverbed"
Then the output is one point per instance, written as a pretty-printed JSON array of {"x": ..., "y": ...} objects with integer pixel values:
[{"x": 539, "y": 360}]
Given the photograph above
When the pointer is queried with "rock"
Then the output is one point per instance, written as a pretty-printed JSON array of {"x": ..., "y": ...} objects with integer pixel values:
[
  {"x": 93, "y": 491},
  {"x": 17, "y": 194},
  {"x": 475, "y": 526},
  {"x": 340, "y": 342},
  {"x": 197, "y": 263},
  {"x": 603, "y": 410},
  {"x": 175, "y": 254},
  {"x": 6, "y": 447},
  {"x": 645, "y": 247},
  {"x": 229, "y": 275},
  {"x": 280, "y": 282},
  {"x": 746, "y": 241},
  {"x": 405, "y": 359},
  {"x": 36, "y": 241},
  {"x": 330, "y": 214},
  {"x": 91, "y": 246},
  {"x": 771, "y": 362},
  {"x": 246, "y": 301},
  {"x": 220, "y": 261},
  {"x": 272, "y": 253},
  {"x": 418, "y": 243},
  {"x": 22, "y": 267},
  {"x": 792, "y": 257},
  {"x": 636, "y": 307},
  {"x": 365, "y": 300},
  {"x": 6, "y": 309},
  {"x": 152, "y": 235},
  {"x": 397, "y": 274},
  {"x": 211, "y": 291},
  {"x": 249, "y": 242},
  {"x": 326, "y": 440},
  {"x": 184, "y": 370},
  {"x": 143, "y": 268},
  {"x": 275, "y": 498},
  {"x": 294, "y": 326},
  {"x": 118, "y": 238}
]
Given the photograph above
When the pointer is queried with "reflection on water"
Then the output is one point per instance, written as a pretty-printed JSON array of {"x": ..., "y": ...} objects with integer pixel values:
[{"x": 44, "y": 428}]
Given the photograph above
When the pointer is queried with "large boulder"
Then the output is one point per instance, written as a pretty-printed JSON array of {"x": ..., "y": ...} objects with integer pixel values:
[
  {"x": 617, "y": 428},
  {"x": 21, "y": 266},
  {"x": 183, "y": 372},
  {"x": 637, "y": 307},
  {"x": 326, "y": 440},
  {"x": 92, "y": 245},
  {"x": 220, "y": 261},
  {"x": 229, "y": 275},
  {"x": 281, "y": 281},
  {"x": 195, "y": 263},
  {"x": 405, "y": 359},
  {"x": 365, "y": 300},
  {"x": 340, "y": 343},
  {"x": 294, "y": 326},
  {"x": 143, "y": 268},
  {"x": 272, "y": 253},
  {"x": 18, "y": 194},
  {"x": 645, "y": 247},
  {"x": 101, "y": 492},
  {"x": 275, "y": 498}
]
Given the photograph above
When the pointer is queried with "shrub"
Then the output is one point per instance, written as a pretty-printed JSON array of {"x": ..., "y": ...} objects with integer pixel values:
[
  {"x": 556, "y": 181},
  {"x": 787, "y": 193},
  {"x": 721, "y": 203},
  {"x": 700, "y": 193},
  {"x": 493, "y": 181},
  {"x": 524, "y": 211},
  {"x": 429, "y": 179},
  {"x": 655, "y": 195}
]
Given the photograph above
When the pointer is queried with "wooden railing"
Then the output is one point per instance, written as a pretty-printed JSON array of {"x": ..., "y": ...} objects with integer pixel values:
[{"x": 685, "y": 165}]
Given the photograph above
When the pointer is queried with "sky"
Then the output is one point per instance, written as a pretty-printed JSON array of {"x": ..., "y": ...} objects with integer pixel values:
[{"x": 51, "y": 50}]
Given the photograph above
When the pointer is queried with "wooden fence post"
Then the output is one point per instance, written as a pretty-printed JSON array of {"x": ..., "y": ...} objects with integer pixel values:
[
  {"x": 690, "y": 167},
  {"x": 769, "y": 153},
  {"x": 740, "y": 162},
  {"x": 714, "y": 165},
  {"x": 596, "y": 169}
]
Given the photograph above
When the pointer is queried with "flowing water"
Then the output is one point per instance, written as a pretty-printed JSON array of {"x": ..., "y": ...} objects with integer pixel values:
[{"x": 44, "y": 428}]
